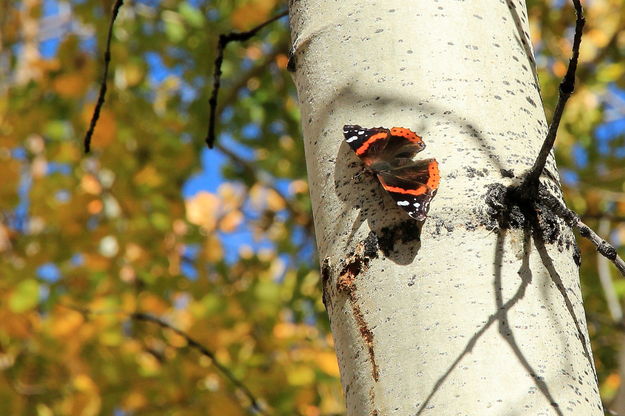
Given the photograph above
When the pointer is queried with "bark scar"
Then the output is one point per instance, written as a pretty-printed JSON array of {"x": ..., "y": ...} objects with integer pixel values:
[{"x": 356, "y": 263}]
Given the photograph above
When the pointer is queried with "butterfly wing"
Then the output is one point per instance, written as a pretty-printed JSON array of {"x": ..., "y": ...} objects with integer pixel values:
[
  {"x": 402, "y": 147},
  {"x": 413, "y": 187},
  {"x": 383, "y": 149},
  {"x": 389, "y": 153},
  {"x": 367, "y": 143}
]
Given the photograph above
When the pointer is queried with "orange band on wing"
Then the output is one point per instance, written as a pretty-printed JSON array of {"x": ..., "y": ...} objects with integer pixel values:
[
  {"x": 406, "y": 134},
  {"x": 432, "y": 183},
  {"x": 363, "y": 148},
  {"x": 435, "y": 176}
]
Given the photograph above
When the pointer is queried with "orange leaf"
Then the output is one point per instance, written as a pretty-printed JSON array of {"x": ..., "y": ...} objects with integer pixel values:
[
  {"x": 65, "y": 323},
  {"x": 251, "y": 13},
  {"x": 72, "y": 85},
  {"x": 90, "y": 184}
]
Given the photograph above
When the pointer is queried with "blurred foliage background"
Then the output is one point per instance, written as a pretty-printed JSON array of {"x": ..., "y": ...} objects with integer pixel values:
[{"x": 216, "y": 243}]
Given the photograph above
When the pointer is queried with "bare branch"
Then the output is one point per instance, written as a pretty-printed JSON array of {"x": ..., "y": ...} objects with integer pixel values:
[
  {"x": 224, "y": 39},
  {"x": 567, "y": 86},
  {"x": 139, "y": 316},
  {"x": 603, "y": 247},
  {"x": 102, "y": 94},
  {"x": 605, "y": 278}
]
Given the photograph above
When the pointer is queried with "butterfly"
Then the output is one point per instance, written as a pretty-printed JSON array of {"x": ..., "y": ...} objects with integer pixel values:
[{"x": 389, "y": 154}]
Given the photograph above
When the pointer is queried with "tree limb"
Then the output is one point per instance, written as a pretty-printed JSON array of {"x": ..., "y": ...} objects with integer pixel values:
[
  {"x": 256, "y": 406},
  {"x": 224, "y": 39},
  {"x": 605, "y": 278},
  {"x": 567, "y": 86},
  {"x": 102, "y": 95},
  {"x": 603, "y": 247},
  {"x": 225, "y": 371}
]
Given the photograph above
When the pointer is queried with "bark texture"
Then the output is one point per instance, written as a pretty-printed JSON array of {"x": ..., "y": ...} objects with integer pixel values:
[{"x": 468, "y": 315}]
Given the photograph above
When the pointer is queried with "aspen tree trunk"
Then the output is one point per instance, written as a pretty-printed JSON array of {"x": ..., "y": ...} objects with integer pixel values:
[{"x": 463, "y": 317}]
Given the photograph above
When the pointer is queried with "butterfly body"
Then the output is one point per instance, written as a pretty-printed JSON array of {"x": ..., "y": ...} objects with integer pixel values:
[{"x": 389, "y": 154}]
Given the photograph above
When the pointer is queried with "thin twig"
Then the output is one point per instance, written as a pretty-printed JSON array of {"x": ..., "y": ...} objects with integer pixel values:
[
  {"x": 567, "y": 86},
  {"x": 102, "y": 94},
  {"x": 603, "y": 247},
  {"x": 256, "y": 406},
  {"x": 141, "y": 316},
  {"x": 605, "y": 278},
  {"x": 233, "y": 92},
  {"x": 224, "y": 39}
]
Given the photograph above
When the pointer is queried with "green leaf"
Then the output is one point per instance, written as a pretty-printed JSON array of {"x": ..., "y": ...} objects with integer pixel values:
[
  {"x": 174, "y": 28},
  {"x": 25, "y": 296},
  {"x": 192, "y": 15}
]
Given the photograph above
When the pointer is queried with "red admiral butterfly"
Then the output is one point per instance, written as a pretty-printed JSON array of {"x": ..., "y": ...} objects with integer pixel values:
[{"x": 388, "y": 154}]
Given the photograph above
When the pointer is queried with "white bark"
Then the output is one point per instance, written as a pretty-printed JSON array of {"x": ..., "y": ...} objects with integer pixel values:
[{"x": 466, "y": 321}]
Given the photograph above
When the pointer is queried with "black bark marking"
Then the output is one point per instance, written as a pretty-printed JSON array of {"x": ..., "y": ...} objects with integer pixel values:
[
  {"x": 326, "y": 273},
  {"x": 512, "y": 207}
]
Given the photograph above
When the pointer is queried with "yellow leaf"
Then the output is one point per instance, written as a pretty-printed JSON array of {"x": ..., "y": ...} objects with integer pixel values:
[
  {"x": 262, "y": 197},
  {"x": 149, "y": 176},
  {"x": 43, "y": 410},
  {"x": 175, "y": 340},
  {"x": 231, "y": 221},
  {"x": 152, "y": 304},
  {"x": 65, "y": 322},
  {"x": 133, "y": 74},
  {"x": 212, "y": 249},
  {"x": 112, "y": 337},
  {"x": 223, "y": 404},
  {"x": 327, "y": 363},
  {"x": 231, "y": 196},
  {"x": 275, "y": 202},
  {"x": 298, "y": 186},
  {"x": 331, "y": 399},
  {"x": 134, "y": 401},
  {"x": 83, "y": 382},
  {"x": 202, "y": 209},
  {"x": 300, "y": 375},
  {"x": 283, "y": 330},
  {"x": 148, "y": 363}
]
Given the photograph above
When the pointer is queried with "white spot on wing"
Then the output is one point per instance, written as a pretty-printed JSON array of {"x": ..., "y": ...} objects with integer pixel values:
[
  {"x": 403, "y": 203},
  {"x": 351, "y": 139}
]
